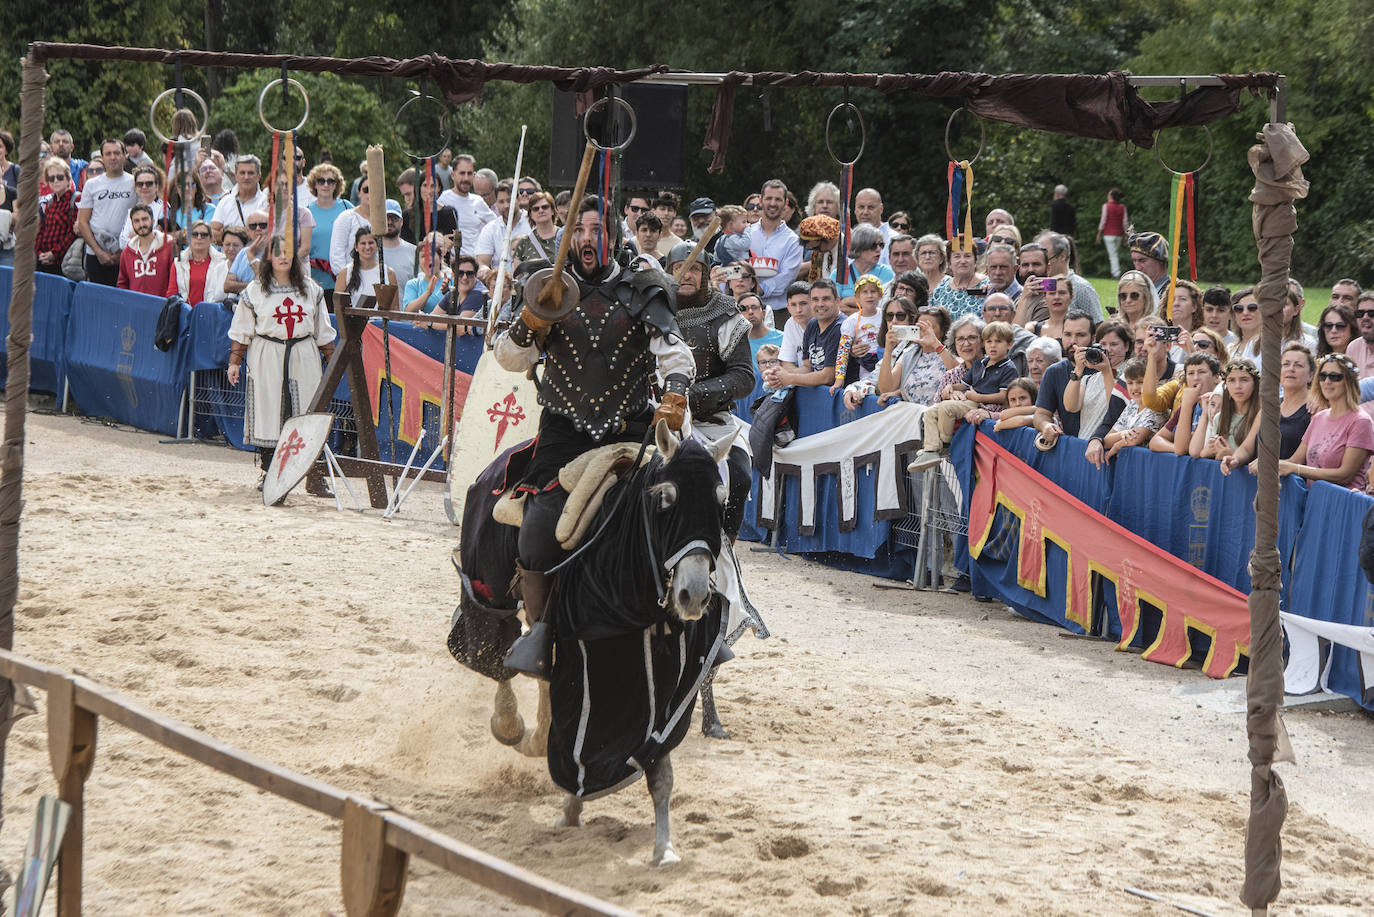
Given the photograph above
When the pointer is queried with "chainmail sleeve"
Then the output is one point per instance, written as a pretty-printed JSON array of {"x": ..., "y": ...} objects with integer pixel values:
[{"x": 718, "y": 394}]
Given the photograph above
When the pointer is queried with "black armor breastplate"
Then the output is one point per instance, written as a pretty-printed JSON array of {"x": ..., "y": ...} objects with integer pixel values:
[{"x": 597, "y": 365}]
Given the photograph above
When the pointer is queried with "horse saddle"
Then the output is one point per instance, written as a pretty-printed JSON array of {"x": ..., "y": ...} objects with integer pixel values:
[{"x": 587, "y": 479}]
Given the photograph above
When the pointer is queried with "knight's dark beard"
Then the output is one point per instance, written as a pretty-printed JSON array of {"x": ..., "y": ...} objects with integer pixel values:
[{"x": 692, "y": 300}]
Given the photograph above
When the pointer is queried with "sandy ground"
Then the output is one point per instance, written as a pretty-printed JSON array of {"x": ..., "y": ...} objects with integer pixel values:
[{"x": 892, "y": 753}]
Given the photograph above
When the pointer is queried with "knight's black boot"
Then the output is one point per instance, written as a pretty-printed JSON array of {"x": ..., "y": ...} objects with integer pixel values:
[
  {"x": 316, "y": 484},
  {"x": 532, "y": 654}
]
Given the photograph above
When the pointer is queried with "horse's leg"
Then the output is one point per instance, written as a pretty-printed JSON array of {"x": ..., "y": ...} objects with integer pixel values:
[
  {"x": 507, "y": 725},
  {"x": 710, "y": 720},
  {"x": 660, "y": 776},
  {"x": 572, "y": 812},
  {"x": 535, "y": 743}
]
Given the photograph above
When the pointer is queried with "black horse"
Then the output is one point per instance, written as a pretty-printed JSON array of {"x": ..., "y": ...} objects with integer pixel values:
[{"x": 638, "y": 622}]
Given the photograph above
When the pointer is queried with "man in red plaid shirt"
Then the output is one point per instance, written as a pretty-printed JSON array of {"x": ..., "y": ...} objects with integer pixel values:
[{"x": 57, "y": 226}]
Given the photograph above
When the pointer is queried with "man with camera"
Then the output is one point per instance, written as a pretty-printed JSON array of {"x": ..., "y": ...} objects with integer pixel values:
[{"x": 1052, "y": 416}]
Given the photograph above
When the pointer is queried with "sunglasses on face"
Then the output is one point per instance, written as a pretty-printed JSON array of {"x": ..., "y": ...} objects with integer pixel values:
[
  {"x": 524, "y": 191},
  {"x": 54, "y": 179},
  {"x": 326, "y": 181},
  {"x": 1001, "y": 240},
  {"x": 753, "y": 206},
  {"x": 146, "y": 184},
  {"x": 199, "y": 234},
  {"x": 465, "y": 272},
  {"x": 902, "y": 226},
  {"x": 896, "y": 316},
  {"x": 1202, "y": 344},
  {"x": 634, "y": 209},
  {"x": 1123, "y": 296},
  {"x": 1364, "y": 313},
  {"x": 1245, "y": 307},
  {"x": 1331, "y": 377},
  {"x": 257, "y": 225},
  {"x": 540, "y": 208},
  {"x": 1335, "y": 326}
]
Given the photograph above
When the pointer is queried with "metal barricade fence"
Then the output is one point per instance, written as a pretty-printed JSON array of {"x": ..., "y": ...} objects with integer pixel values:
[
  {"x": 936, "y": 511},
  {"x": 212, "y": 400}
]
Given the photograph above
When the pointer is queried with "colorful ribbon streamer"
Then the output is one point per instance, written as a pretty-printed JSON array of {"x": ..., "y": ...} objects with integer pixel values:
[
  {"x": 959, "y": 213},
  {"x": 1181, "y": 193}
]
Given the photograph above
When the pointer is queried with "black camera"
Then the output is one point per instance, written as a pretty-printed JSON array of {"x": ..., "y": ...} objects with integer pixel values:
[
  {"x": 1166, "y": 333},
  {"x": 1092, "y": 355}
]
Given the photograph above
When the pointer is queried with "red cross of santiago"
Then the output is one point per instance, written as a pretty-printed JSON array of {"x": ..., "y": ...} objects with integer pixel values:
[
  {"x": 504, "y": 413},
  {"x": 293, "y": 445},
  {"x": 288, "y": 313}
]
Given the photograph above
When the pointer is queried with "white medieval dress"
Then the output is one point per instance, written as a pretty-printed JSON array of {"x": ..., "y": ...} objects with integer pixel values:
[{"x": 284, "y": 329}]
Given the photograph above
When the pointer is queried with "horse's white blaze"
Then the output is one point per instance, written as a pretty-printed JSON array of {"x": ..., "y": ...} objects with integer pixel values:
[{"x": 691, "y": 585}]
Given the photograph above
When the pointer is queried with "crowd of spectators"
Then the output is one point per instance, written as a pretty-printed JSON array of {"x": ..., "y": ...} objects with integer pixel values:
[{"x": 1002, "y": 327}]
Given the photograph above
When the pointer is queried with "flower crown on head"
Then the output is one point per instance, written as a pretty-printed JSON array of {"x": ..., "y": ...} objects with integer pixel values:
[{"x": 1346, "y": 363}]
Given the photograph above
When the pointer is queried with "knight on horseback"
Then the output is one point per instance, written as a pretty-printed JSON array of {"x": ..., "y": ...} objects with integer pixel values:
[{"x": 599, "y": 364}]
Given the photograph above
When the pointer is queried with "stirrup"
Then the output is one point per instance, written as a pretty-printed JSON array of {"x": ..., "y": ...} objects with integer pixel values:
[{"x": 532, "y": 654}]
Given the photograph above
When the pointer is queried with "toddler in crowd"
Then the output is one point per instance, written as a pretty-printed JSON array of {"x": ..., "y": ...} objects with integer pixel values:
[
  {"x": 732, "y": 245},
  {"x": 985, "y": 384},
  {"x": 1136, "y": 424},
  {"x": 859, "y": 349}
]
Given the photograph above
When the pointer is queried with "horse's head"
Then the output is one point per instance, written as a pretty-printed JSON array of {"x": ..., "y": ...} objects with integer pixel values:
[{"x": 686, "y": 503}]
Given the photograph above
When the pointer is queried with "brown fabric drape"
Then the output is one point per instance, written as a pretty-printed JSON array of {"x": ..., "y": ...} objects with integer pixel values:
[
  {"x": 1103, "y": 107},
  {"x": 1277, "y": 163},
  {"x": 722, "y": 117}
]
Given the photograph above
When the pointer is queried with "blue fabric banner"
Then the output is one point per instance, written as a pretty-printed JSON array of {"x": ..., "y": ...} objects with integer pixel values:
[
  {"x": 113, "y": 368},
  {"x": 1327, "y": 582},
  {"x": 52, "y": 303}
]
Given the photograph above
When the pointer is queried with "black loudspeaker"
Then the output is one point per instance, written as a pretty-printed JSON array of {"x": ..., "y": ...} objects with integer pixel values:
[{"x": 654, "y": 158}]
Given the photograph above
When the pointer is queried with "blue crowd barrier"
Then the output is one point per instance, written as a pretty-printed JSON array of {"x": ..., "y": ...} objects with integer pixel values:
[
  {"x": 112, "y": 366},
  {"x": 52, "y": 304}
]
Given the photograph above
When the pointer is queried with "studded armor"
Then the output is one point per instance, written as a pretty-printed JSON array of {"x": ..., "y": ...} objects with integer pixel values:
[
  {"x": 598, "y": 366},
  {"x": 719, "y": 338}
]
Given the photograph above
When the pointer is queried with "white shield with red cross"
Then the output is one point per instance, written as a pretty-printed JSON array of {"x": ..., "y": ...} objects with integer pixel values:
[
  {"x": 501, "y": 410},
  {"x": 302, "y": 438}
]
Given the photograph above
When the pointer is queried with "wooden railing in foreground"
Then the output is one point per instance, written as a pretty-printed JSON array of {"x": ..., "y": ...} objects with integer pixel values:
[{"x": 377, "y": 842}]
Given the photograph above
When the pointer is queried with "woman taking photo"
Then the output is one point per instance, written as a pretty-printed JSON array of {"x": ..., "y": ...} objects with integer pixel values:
[
  {"x": 917, "y": 375},
  {"x": 1097, "y": 396},
  {"x": 280, "y": 330},
  {"x": 362, "y": 272},
  {"x": 1340, "y": 437},
  {"x": 897, "y": 313},
  {"x": 325, "y": 182},
  {"x": 199, "y": 271}
]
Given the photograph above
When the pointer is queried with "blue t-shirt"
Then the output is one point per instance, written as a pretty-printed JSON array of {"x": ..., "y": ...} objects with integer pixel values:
[
  {"x": 988, "y": 380},
  {"x": 319, "y": 240},
  {"x": 821, "y": 348},
  {"x": 416, "y": 286}
]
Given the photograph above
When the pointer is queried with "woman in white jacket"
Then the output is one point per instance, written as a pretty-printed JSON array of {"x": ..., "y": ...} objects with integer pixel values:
[{"x": 201, "y": 269}]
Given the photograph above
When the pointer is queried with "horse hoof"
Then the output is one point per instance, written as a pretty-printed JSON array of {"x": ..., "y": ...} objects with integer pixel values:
[
  {"x": 508, "y": 731},
  {"x": 667, "y": 858},
  {"x": 715, "y": 731}
]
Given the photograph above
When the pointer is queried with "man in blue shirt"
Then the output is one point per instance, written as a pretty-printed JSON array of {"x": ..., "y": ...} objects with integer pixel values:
[{"x": 770, "y": 237}]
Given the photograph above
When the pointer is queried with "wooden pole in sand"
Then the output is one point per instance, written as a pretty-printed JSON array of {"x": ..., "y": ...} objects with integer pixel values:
[{"x": 17, "y": 386}]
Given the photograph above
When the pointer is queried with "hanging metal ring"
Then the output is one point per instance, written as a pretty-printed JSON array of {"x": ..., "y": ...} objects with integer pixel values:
[
  {"x": 445, "y": 125},
  {"x": 204, "y": 115},
  {"x": 982, "y": 136},
  {"x": 629, "y": 110},
  {"x": 863, "y": 132},
  {"x": 1211, "y": 145},
  {"x": 262, "y": 115}
]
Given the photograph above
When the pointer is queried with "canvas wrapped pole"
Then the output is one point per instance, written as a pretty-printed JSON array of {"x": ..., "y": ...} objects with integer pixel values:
[
  {"x": 1277, "y": 163},
  {"x": 17, "y": 386}
]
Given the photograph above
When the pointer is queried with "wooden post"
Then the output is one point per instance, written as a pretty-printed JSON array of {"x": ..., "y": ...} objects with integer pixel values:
[
  {"x": 348, "y": 358},
  {"x": 71, "y": 749},
  {"x": 372, "y": 874}
]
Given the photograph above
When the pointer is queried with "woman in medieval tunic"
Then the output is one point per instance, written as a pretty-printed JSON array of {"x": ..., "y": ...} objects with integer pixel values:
[{"x": 282, "y": 323}]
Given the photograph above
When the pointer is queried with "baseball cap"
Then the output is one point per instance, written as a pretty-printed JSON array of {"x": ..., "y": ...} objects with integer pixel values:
[
  {"x": 393, "y": 208},
  {"x": 702, "y": 205}
]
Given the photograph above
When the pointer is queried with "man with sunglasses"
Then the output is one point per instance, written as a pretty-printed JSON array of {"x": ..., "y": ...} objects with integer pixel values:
[
  {"x": 636, "y": 205},
  {"x": 1361, "y": 350},
  {"x": 249, "y": 196},
  {"x": 241, "y": 271}
]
